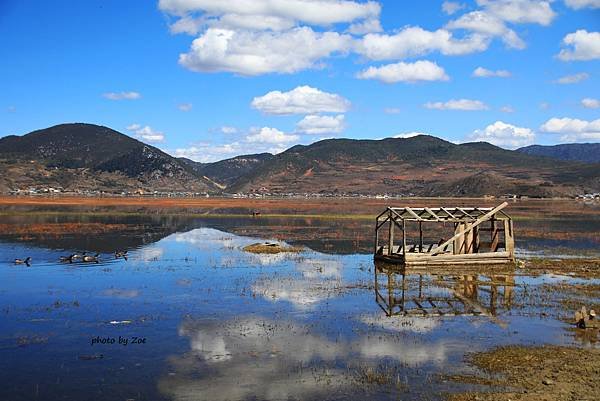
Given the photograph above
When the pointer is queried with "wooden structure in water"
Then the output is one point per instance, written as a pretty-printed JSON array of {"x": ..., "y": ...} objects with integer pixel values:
[
  {"x": 479, "y": 236},
  {"x": 442, "y": 292}
]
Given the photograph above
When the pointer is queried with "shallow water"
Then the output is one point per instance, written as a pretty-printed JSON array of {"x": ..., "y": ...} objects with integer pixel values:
[{"x": 205, "y": 320}]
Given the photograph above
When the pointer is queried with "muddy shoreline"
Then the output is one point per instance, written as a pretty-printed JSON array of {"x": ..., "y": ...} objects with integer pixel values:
[{"x": 550, "y": 373}]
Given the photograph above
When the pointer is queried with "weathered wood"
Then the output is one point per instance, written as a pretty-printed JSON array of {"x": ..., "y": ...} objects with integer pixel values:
[
  {"x": 470, "y": 226},
  {"x": 464, "y": 247},
  {"x": 391, "y": 236},
  {"x": 420, "y": 236}
]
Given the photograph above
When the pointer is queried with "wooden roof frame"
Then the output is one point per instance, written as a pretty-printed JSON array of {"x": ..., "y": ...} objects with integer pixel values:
[{"x": 443, "y": 214}]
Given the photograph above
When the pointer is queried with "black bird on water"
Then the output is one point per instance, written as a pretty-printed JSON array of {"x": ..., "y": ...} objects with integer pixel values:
[
  {"x": 23, "y": 261},
  {"x": 89, "y": 258},
  {"x": 67, "y": 258},
  {"x": 121, "y": 254}
]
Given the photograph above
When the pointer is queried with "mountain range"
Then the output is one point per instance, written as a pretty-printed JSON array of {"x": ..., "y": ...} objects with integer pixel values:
[
  {"x": 86, "y": 157},
  {"x": 583, "y": 152}
]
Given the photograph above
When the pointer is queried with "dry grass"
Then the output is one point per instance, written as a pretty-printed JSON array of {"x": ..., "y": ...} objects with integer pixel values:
[{"x": 268, "y": 247}]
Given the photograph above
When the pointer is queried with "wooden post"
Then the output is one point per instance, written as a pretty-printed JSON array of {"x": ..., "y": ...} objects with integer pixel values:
[
  {"x": 376, "y": 237},
  {"x": 508, "y": 237},
  {"x": 404, "y": 237},
  {"x": 420, "y": 237},
  {"x": 391, "y": 236}
]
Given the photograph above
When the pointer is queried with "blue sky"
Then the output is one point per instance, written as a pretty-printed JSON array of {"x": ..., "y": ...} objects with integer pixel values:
[{"x": 209, "y": 79}]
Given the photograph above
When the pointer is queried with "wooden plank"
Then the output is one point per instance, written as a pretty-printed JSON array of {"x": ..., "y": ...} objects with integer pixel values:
[
  {"x": 470, "y": 226},
  {"x": 410, "y": 211},
  {"x": 431, "y": 212}
]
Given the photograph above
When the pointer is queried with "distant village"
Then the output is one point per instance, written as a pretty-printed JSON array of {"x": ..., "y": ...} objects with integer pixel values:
[{"x": 263, "y": 193}]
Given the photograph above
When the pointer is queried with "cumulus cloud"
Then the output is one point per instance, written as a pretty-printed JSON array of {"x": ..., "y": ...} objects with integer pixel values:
[
  {"x": 451, "y": 7},
  {"x": 312, "y": 12},
  {"x": 573, "y": 129},
  {"x": 317, "y": 124},
  {"x": 146, "y": 133},
  {"x": 520, "y": 11},
  {"x": 207, "y": 153},
  {"x": 481, "y": 72},
  {"x": 405, "y": 72},
  {"x": 573, "y": 79},
  {"x": 255, "y": 53},
  {"x": 579, "y": 4},
  {"x": 270, "y": 135},
  {"x": 416, "y": 41},
  {"x": 487, "y": 24},
  {"x": 301, "y": 100},
  {"x": 368, "y": 26},
  {"x": 238, "y": 142},
  {"x": 121, "y": 95},
  {"x": 457, "y": 104},
  {"x": 185, "y": 107},
  {"x": 590, "y": 103},
  {"x": 580, "y": 45},
  {"x": 505, "y": 135}
]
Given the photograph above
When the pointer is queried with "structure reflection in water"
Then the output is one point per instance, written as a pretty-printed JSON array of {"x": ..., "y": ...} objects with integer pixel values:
[{"x": 399, "y": 291}]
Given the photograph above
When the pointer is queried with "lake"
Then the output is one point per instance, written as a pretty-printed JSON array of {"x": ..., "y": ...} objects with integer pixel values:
[{"x": 189, "y": 315}]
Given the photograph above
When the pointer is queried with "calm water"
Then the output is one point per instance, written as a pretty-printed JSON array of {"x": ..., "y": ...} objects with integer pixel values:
[{"x": 204, "y": 320}]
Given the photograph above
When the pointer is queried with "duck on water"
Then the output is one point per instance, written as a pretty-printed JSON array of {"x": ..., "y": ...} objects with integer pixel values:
[{"x": 23, "y": 261}]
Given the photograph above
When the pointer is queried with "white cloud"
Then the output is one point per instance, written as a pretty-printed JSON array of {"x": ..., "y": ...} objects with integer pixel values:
[
  {"x": 451, "y": 7},
  {"x": 505, "y": 135},
  {"x": 122, "y": 95},
  {"x": 572, "y": 129},
  {"x": 228, "y": 130},
  {"x": 416, "y": 41},
  {"x": 544, "y": 106},
  {"x": 578, "y": 4},
  {"x": 255, "y": 53},
  {"x": 580, "y": 46},
  {"x": 317, "y": 124},
  {"x": 507, "y": 109},
  {"x": 590, "y": 103},
  {"x": 301, "y": 100},
  {"x": 368, "y": 26},
  {"x": 457, "y": 104},
  {"x": 410, "y": 134},
  {"x": 270, "y": 135},
  {"x": 392, "y": 110},
  {"x": 405, "y": 72},
  {"x": 207, "y": 153},
  {"x": 520, "y": 11},
  {"x": 489, "y": 25},
  {"x": 573, "y": 79},
  {"x": 313, "y": 12},
  {"x": 253, "y": 22},
  {"x": 146, "y": 133},
  {"x": 481, "y": 72},
  {"x": 187, "y": 24},
  {"x": 185, "y": 107}
]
